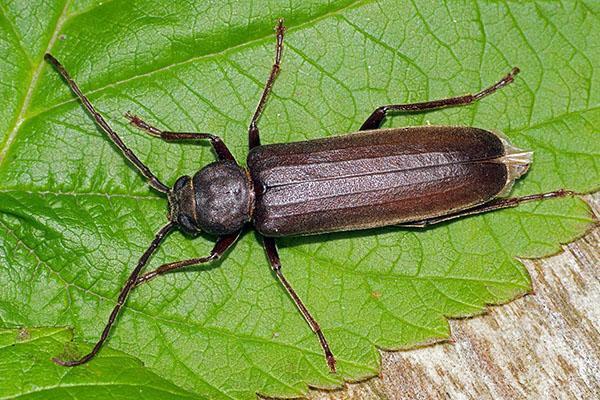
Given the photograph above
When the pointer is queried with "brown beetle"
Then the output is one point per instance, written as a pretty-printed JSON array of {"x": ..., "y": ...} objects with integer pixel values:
[{"x": 410, "y": 177}]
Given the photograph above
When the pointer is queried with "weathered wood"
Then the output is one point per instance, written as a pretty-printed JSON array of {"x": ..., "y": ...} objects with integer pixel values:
[{"x": 542, "y": 346}]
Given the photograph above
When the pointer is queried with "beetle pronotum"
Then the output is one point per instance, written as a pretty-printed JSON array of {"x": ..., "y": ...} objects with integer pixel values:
[{"x": 410, "y": 177}]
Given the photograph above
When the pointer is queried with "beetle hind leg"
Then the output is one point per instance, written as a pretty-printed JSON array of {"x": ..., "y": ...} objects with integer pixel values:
[
  {"x": 493, "y": 205},
  {"x": 273, "y": 256},
  {"x": 376, "y": 118}
]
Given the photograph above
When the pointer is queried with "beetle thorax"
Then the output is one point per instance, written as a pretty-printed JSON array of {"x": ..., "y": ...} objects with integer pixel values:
[{"x": 219, "y": 199}]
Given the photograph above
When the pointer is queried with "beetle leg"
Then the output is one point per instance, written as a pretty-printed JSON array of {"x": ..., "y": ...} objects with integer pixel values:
[
  {"x": 376, "y": 118},
  {"x": 223, "y": 244},
  {"x": 102, "y": 124},
  {"x": 253, "y": 132},
  {"x": 493, "y": 205},
  {"x": 218, "y": 145},
  {"x": 273, "y": 256},
  {"x": 162, "y": 233}
]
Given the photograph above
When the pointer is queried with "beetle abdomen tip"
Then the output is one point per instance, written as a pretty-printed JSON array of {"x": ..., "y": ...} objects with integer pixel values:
[{"x": 517, "y": 162}]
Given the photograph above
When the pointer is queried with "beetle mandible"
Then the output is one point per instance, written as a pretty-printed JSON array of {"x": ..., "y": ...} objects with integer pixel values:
[{"x": 409, "y": 177}]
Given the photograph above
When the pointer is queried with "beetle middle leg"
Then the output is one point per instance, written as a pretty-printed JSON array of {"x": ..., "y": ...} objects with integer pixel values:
[
  {"x": 253, "y": 132},
  {"x": 376, "y": 118},
  {"x": 218, "y": 145},
  {"x": 493, "y": 205},
  {"x": 273, "y": 256}
]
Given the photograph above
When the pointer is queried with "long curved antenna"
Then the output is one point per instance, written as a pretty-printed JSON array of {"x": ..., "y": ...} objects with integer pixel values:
[
  {"x": 131, "y": 281},
  {"x": 152, "y": 179}
]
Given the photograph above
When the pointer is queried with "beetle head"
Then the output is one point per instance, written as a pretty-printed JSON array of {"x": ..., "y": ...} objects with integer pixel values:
[{"x": 182, "y": 205}]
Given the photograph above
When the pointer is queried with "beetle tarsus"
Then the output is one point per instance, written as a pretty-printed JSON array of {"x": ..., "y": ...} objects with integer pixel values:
[
  {"x": 509, "y": 78},
  {"x": 328, "y": 354},
  {"x": 73, "y": 363},
  {"x": 142, "y": 125},
  {"x": 64, "y": 363}
]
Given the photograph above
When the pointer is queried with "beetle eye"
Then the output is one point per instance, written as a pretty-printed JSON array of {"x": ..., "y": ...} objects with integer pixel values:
[
  {"x": 186, "y": 223},
  {"x": 181, "y": 182}
]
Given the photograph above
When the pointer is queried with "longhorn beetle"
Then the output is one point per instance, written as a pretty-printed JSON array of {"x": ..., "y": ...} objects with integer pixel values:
[{"x": 408, "y": 177}]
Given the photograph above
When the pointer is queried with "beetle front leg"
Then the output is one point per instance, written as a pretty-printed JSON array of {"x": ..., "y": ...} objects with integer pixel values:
[
  {"x": 493, "y": 205},
  {"x": 273, "y": 256},
  {"x": 218, "y": 145},
  {"x": 223, "y": 244},
  {"x": 376, "y": 118}
]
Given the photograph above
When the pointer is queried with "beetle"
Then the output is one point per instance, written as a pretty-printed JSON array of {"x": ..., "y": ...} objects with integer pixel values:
[{"x": 408, "y": 177}]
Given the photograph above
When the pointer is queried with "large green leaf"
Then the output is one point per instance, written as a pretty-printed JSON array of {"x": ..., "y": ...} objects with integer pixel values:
[
  {"x": 26, "y": 371},
  {"x": 74, "y": 216}
]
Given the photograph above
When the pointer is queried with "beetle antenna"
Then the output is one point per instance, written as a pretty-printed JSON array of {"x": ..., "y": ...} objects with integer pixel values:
[
  {"x": 131, "y": 281},
  {"x": 101, "y": 122}
]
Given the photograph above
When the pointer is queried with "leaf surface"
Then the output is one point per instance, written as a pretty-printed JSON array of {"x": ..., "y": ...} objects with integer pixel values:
[
  {"x": 75, "y": 217},
  {"x": 28, "y": 373}
]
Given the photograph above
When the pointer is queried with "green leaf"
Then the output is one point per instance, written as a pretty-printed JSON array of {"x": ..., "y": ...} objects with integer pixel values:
[
  {"x": 75, "y": 217},
  {"x": 26, "y": 371}
]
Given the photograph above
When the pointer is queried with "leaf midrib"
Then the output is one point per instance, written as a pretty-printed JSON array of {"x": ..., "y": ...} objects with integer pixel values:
[{"x": 21, "y": 116}]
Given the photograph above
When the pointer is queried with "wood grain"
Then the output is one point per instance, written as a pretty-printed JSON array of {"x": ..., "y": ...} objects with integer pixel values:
[{"x": 545, "y": 345}]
